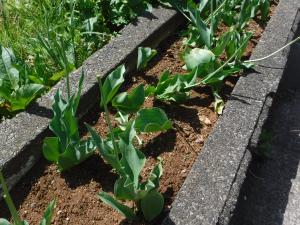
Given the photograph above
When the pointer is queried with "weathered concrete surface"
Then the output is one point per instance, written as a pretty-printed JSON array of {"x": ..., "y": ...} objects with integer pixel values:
[
  {"x": 21, "y": 137},
  {"x": 211, "y": 190},
  {"x": 271, "y": 193}
]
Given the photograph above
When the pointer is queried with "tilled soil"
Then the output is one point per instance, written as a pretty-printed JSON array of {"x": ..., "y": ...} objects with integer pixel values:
[{"x": 76, "y": 191}]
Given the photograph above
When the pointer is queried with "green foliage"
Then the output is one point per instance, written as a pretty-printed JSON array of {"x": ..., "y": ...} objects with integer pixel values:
[
  {"x": 197, "y": 57},
  {"x": 66, "y": 149},
  {"x": 112, "y": 85},
  {"x": 46, "y": 219},
  {"x": 215, "y": 56},
  {"x": 130, "y": 102},
  {"x": 121, "y": 12},
  {"x": 15, "y": 90},
  {"x": 173, "y": 88},
  {"x": 145, "y": 54},
  {"x": 152, "y": 120},
  {"x": 118, "y": 148},
  {"x": 54, "y": 37},
  {"x": 152, "y": 204}
]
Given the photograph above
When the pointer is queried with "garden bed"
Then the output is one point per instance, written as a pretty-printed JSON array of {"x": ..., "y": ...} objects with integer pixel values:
[
  {"x": 21, "y": 137},
  {"x": 76, "y": 190}
]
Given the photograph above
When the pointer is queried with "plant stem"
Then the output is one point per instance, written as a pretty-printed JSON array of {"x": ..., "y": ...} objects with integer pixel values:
[
  {"x": 216, "y": 11},
  {"x": 211, "y": 22},
  {"x": 268, "y": 56},
  {"x": 109, "y": 121},
  {"x": 9, "y": 202}
]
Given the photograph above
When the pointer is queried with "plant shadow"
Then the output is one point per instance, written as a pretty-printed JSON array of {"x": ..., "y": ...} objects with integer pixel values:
[
  {"x": 91, "y": 169},
  {"x": 182, "y": 113}
]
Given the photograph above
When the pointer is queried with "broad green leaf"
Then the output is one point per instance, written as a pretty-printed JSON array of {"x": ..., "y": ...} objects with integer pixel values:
[
  {"x": 152, "y": 205},
  {"x": 24, "y": 95},
  {"x": 175, "y": 88},
  {"x": 46, "y": 220},
  {"x": 264, "y": 8},
  {"x": 204, "y": 32},
  {"x": 156, "y": 173},
  {"x": 123, "y": 209},
  {"x": 128, "y": 134},
  {"x": 150, "y": 90},
  {"x": 222, "y": 43},
  {"x": 51, "y": 149},
  {"x": 4, "y": 222},
  {"x": 130, "y": 103},
  {"x": 74, "y": 155},
  {"x": 5, "y": 90},
  {"x": 122, "y": 191},
  {"x": 197, "y": 58},
  {"x": 106, "y": 150},
  {"x": 112, "y": 84},
  {"x": 135, "y": 159},
  {"x": 145, "y": 54},
  {"x": 153, "y": 180},
  {"x": 152, "y": 120}
]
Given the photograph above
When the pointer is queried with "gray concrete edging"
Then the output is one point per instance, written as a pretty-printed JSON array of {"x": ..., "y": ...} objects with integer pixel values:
[
  {"x": 208, "y": 194},
  {"x": 211, "y": 189},
  {"x": 21, "y": 137}
]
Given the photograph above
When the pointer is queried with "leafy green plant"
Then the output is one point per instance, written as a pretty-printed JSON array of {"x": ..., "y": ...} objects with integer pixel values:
[
  {"x": 46, "y": 219},
  {"x": 216, "y": 56},
  {"x": 16, "y": 92},
  {"x": 66, "y": 149},
  {"x": 119, "y": 151},
  {"x": 52, "y": 38},
  {"x": 122, "y": 11},
  {"x": 173, "y": 88},
  {"x": 145, "y": 54}
]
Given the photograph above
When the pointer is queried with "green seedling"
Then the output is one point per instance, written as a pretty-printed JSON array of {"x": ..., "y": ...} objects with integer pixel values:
[
  {"x": 173, "y": 88},
  {"x": 46, "y": 219},
  {"x": 122, "y": 12},
  {"x": 66, "y": 149},
  {"x": 118, "y": 149},
  {"x": 145, "y": 54}
]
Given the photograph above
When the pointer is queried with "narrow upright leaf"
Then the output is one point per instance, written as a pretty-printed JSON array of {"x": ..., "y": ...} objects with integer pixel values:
[
  {"x": 145, "y": 54},
  {"x": 46, "y": 220},
  {"x": 123, "y": 209},
  {"x": 112, "y": 84}
]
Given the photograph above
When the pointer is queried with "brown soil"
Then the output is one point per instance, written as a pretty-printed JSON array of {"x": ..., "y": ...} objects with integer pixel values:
[{"x": 76, "y": 191}]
